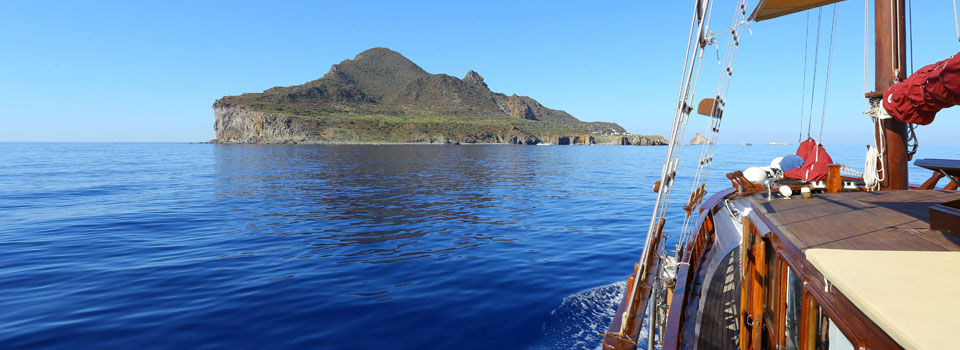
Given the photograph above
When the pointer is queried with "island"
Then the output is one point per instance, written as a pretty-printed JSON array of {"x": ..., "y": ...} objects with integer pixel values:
[{"x": 380, "y": 96}]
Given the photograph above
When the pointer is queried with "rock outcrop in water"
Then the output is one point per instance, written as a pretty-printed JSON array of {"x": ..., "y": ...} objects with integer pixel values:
[
  {"x": 381, "y": 96},
  {"x": 699, "y": 140}
]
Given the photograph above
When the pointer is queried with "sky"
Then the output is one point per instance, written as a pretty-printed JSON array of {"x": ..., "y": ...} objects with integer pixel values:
[{"x": 150, "y": 71}]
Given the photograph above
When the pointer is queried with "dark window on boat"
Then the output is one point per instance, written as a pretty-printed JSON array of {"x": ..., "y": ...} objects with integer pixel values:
[
  {"x": 792, "y": 308},
  {"x": 823, "y": 333},
  {"x": 771, "y": 277}
]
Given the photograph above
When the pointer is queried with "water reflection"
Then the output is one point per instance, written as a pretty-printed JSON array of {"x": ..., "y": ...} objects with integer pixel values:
[{"x": 375, "y": 201}]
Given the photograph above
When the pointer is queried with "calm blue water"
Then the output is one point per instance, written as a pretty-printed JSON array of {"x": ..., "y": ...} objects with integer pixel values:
[{"x": 170, "y": 246}]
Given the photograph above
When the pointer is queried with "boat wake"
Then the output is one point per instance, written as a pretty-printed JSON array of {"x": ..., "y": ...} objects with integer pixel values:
[{"x": 581, "y": 317}]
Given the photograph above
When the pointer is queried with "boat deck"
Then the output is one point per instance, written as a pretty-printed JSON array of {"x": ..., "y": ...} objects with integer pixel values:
[
  {"x": 720, "y": 323},
  {"x": 893, "y": 220},
  {"x": 877, "y": 249}
]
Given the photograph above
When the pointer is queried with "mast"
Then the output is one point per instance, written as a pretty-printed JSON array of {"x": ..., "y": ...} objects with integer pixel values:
[{"x": 891, "y": 57}]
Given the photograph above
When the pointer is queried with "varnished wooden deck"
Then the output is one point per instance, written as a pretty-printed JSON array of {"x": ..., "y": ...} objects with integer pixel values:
[
  {"x": 719, "y": 325},
  {"x": 894, "y": 220}
]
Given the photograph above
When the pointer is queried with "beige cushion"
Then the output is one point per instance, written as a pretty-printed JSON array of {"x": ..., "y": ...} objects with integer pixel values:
[{"x": 914, "y": 296}]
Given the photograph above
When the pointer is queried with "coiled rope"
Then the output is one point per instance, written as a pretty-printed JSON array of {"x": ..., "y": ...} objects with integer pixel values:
[{"x": 871, "y": 177}]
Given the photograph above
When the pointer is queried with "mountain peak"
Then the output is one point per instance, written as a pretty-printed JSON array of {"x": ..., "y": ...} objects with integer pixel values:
[
  {"x": 379, "y": 72},
  {"x": 377, "y": 53},
  {"x": 384, "y": 58},
  {"x": 475, "y": 78}
]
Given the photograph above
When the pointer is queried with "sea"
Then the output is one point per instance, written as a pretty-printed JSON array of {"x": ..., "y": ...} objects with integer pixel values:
[{"x": 202, "y": 246}]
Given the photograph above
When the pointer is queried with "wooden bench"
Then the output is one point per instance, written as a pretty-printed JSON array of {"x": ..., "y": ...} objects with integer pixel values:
[{"x": 949, "y": 168}]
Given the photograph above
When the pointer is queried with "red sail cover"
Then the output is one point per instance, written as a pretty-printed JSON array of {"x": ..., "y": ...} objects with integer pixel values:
[
  {"x": 815, "y": 160},
  {"x": 932, "y": 88}
]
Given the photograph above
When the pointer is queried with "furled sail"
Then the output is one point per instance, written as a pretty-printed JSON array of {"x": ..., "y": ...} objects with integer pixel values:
[
  {"x": 815, "y": 160},
  {"x": 930, "y": 89},
  {"x": 768, "y": 9}
]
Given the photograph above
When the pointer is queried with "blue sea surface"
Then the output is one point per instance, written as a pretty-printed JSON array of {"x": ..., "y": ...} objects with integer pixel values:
[{"x": 198, "y": 246}]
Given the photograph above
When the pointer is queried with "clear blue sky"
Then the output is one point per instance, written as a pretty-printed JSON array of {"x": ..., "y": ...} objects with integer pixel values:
[{"x": 121, "y": 71}]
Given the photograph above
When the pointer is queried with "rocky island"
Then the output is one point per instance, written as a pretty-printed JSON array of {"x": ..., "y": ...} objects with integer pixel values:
[
  {"x": 699, "y": 140},
  {"x": 382, "y": 97}
]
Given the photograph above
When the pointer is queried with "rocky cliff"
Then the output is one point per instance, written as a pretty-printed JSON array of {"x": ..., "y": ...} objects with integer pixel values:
[{"x": 381, "y": 96}]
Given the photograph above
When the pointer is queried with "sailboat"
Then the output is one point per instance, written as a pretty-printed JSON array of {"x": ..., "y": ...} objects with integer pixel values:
[{"x": 810, "y": 257}]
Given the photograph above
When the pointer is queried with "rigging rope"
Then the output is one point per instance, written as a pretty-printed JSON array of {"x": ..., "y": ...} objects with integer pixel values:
[
  {"x": 657, "y": 305},
  {"x": 826, "y": 83},
  {"x": 707, "y": 152},
  {"x": 910, "y": 31},
  {"x": 956, "y": 23},
  {"x": 866, "y": 25},
  {"x": 911, "y": 128},
  {"x": 803, "y": 87},
  {"x": 813, "y": 87},
  {"x": 708, "y": 149},
  {"x": 895, "y": 38},
  {"x": 691, "y": 71}
]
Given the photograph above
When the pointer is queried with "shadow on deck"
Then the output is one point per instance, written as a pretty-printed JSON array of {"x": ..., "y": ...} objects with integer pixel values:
[{"x": 719, "y": 328}]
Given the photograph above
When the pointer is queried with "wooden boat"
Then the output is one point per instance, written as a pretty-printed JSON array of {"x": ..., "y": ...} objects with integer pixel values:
[{"x": 854, "y": 265}]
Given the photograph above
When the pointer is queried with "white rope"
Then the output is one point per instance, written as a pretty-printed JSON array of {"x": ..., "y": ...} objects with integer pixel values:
[
  {"x": 874, "y": 162},
  {"x": 871, "y": 176}
]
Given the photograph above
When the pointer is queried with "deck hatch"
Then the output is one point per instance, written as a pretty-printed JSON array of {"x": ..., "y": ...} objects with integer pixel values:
[
  {"x": 911, "y": 295},
  {"x": 945, "y": 217}
]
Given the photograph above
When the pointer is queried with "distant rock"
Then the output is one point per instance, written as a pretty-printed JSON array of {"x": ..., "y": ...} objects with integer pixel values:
[
  {"x": 699, "y": 140},
  {"x": 632, "y": 140}
]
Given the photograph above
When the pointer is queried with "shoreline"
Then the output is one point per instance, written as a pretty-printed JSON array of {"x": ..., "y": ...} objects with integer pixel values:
[{"x": 334, "y": 143}]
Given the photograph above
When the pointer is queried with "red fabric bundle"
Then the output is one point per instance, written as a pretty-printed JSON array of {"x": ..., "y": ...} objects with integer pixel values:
[
  {"x": 815, "y": 161},
  {"x": 930, "y": 89}
]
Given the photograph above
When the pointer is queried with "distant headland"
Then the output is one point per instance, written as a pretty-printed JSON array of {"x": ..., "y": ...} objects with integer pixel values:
[{"x": 382, "y": 97}]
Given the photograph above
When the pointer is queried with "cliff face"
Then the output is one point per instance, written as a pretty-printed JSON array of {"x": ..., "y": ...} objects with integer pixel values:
[
  {"x": 381, "y": 96},
  {"x": 236, "y": 124}
]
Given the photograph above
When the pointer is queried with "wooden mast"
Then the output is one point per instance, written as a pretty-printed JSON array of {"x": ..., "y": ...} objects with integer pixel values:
[{"x": 891, "y": 58}]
